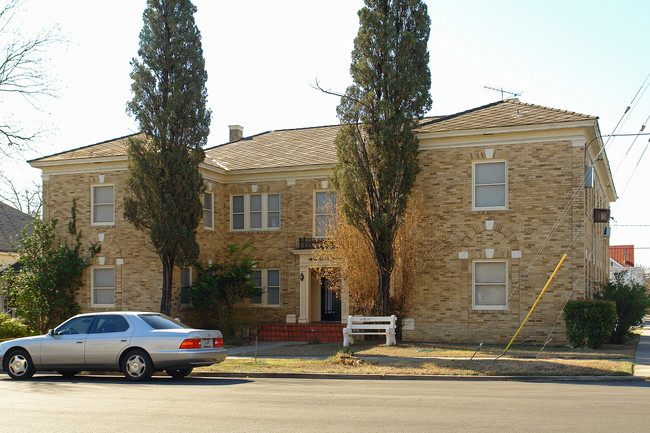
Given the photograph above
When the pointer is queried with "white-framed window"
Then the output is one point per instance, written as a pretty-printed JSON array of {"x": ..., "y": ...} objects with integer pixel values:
[
  {"x": 269, "y": 281},
  {"x": 186, "y": 287},
  {"x": 255, "y": 212},
  {"x": 490, "y": 284},
  {"x": 103, "y": 204},
  {"x": 103, "y": 287},
  {"x": 324, "y": 212},
  {"x": 490, "y": 186},
  {"x": 208, "y": 210}
]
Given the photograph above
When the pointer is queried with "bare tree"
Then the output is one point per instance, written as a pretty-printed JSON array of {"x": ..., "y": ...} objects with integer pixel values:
[
  {"x": 28, "y": 200},
  {"x": 23, "y": 74}
]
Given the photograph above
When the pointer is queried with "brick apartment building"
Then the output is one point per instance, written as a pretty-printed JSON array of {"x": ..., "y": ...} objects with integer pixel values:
[{"x": 513, "y": 186}]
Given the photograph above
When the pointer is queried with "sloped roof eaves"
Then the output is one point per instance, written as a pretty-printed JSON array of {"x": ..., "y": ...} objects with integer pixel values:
[
  {"x": 110, "y": 148},
  {"x": 277, "y": 149}
]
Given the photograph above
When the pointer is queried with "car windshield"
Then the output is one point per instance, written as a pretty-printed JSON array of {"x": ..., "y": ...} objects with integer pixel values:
[{"x": 160, "y": 321}]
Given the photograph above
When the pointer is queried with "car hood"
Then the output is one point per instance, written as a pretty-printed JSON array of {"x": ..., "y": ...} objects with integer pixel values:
[{"x": 19, "y": 341}]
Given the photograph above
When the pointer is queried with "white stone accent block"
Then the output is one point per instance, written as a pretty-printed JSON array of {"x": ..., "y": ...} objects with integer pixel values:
[
  {"x": 489, "y": 225},
  {"x": 516, "y": 254},
  {"x": 463, "y": 255},
  {"x": 489, "y": 253},
  {"x": 408, "y": 324},
  {"x": 489, "y": 153}
]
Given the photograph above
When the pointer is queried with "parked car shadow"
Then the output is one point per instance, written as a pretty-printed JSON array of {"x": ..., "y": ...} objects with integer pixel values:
[{"x": 119, "y": 380}]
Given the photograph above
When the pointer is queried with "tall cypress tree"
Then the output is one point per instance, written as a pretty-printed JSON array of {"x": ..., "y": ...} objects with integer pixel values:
[
  {"x": 376, "y": 147},
  {"x": 169, "y": 102}
]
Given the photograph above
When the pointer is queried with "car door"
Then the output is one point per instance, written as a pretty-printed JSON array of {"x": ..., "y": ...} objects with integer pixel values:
[
  {"x": 108, "y": 336},
  {"x": 64, "y": 348}
]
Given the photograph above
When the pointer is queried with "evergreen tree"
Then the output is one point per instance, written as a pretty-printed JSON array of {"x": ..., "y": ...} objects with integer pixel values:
[
  {"x": 169, "y": 102},
  {"x": 376, "y": 147}
]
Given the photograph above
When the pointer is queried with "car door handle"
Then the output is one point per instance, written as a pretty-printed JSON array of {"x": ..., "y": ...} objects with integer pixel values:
[
  {"x": 124, "y": 340},
  {"x": 79, "y": 342}
]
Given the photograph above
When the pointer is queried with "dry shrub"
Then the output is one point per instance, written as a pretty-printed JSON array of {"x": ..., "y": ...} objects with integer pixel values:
[{"x": 349, "y": 264}]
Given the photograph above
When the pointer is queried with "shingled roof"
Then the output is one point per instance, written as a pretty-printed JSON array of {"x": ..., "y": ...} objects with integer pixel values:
[
  {"x": 12, "y": 222},
  {"x": 315, "y": 146}
]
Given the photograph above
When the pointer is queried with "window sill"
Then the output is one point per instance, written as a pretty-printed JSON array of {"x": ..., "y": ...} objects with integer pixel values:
[
  {"x": 490, "y": 209},
  {"x": 266, "y": 306},
  {"x": 274, "y": 230},
  {"x": 102, "y": 306},
  {"x": 489, "y": 309},
  {"x": 103, "y": 224}
]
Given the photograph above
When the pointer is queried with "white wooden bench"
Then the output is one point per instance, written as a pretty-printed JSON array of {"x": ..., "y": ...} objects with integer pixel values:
[{"x": 364, "y": 325}]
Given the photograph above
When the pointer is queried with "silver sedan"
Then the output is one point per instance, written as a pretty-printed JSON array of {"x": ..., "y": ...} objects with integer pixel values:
[{"x": 135, "y": 343}]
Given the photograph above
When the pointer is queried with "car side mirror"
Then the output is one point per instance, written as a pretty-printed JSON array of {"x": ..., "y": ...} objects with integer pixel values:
[{"x": 50, "y": 332}]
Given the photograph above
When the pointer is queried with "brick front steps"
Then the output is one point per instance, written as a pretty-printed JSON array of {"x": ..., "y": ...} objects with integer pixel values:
[{"x": 323, "y": 332}]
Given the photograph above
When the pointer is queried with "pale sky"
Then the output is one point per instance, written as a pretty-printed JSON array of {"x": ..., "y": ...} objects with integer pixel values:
[{"x": 262, "y": 58}]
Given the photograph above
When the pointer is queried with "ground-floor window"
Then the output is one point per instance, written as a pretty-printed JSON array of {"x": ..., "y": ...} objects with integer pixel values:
[
  {"x": 269, "y": 280},
  {"x": 186, "y": 287},
  {"x": 103, "y": 287},
  {"x": 490, "y": 286}
]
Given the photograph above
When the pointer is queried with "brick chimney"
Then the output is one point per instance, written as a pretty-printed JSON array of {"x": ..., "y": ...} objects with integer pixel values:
[{"x": 236, "y": 132}]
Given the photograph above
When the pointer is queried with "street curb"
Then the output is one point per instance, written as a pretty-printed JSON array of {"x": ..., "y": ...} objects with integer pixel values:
[{"x": 287, "y": 375}]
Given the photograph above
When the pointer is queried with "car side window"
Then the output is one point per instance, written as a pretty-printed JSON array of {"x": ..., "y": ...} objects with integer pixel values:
[
  {"x": 109, "y": 323},
  {"x": 79, "y": 325}
]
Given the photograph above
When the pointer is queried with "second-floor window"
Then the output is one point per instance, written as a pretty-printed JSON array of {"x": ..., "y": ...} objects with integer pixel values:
[
  {"x": 324, "y": 213},
  {"x": 208, "y": 210},
  {"x": 103, "y": 204},
  {"x": 490, "y": 185},
  {"x": 255, "y": 212}
]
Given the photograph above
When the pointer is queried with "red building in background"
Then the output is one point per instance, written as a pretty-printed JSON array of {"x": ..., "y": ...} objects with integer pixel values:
[{"x": 623, "y": 254}]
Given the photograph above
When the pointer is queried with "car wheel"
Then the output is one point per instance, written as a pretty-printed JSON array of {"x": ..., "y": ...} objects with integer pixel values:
[
  {"x": 19, "y": 365},
  {"x": 137, "y": 366},
  {"x": 179, "y": 373},
  {"x": 68, "y": 374}
]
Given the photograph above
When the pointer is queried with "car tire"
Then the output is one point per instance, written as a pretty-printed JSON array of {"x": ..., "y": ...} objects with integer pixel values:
[
  {"x": 179, "y": 373},
  {"x": 19, "y": 365},
  {"x": 69, "y": 374},
  {"x": 137, "y": 366}
]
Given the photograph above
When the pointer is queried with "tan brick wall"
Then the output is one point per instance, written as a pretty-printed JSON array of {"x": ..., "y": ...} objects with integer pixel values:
[{"x": 544, "y": 219}]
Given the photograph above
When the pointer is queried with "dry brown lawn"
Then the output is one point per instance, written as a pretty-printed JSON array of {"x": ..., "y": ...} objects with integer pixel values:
[{"x": 437, "y": 359}]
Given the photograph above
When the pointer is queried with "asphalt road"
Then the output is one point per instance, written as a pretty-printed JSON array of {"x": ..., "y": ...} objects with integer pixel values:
[{"x": 109, "y": 404}]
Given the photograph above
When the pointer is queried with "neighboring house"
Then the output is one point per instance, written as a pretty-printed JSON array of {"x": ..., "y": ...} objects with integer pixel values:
[
  {"x": 513, "y": 186},
  {"x": 622, "y": 260},
  {"x": 12, "y": 222}
]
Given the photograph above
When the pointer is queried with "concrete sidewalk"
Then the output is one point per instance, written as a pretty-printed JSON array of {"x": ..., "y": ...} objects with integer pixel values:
[{"x": 642, "y": 357}]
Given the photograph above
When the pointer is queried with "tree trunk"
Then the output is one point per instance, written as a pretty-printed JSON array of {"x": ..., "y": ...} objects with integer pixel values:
[
  {"x": 383, "y": 292},
  {"x": 166, "y": 297}
]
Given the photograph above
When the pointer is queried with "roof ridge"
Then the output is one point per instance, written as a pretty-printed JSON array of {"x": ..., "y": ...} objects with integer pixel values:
[
  {"x": 270, "y": 132},
  {"x": 460, "y": 113},
  {"x": 589, "y": 116},
  {"x": 84, "y": 147}
]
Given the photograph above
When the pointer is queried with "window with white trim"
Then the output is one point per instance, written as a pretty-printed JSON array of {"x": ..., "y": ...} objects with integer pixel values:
[
  {"x": 208, "y": 210},
  {"x": 269, "y": 281},
  {"x": 490, "y": 287},
  {"x": 255, "y": 212},
  {"x": 103, "y": 287},
  {"x": 186, "y": 287},
  {"x": 103, "y": 204},
  {"x": 324, "y": 212},
  {"x": 490, "y": 187}
]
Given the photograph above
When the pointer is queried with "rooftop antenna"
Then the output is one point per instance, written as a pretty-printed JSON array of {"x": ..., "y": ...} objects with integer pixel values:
[{"x": 502, "y": 90}]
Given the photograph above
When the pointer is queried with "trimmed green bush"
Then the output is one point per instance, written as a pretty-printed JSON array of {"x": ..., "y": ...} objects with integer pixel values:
[
  {"x": 632, "y": 302},
  {"x": 12, "y": 328},
  {"x": 589, "y": 322}
]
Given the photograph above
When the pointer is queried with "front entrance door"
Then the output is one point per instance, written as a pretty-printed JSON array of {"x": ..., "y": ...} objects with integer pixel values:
[{"x": 330, "y": 304}]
